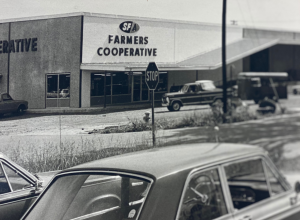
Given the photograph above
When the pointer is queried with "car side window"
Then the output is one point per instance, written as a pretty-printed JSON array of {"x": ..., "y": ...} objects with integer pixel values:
[
  {"x": 203, "y": 197},
  {"x": 16, "y": 181},
  {"x": 247, "y": 183},
  {"x": 192, "y": 89},
  {"x": 6, "y": 97},
  {"x": 4, "y": 187},
  {"x": 273, "y": 177}
]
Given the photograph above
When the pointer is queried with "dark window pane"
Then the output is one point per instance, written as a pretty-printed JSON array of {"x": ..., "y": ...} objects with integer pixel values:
[
  {"x": 52, "y": 86},
  {"x": 4, "y": 187},
  {"x": 16, "y": 181},
  {"x": 163, "y": 83},
  {"x": 64, "y": 86},
  {"x": 121, "y": 84},
  {"x": 203, "y": 198},
  {"x": 247, "y": 183},
  {"x": 97, "y": 84}
]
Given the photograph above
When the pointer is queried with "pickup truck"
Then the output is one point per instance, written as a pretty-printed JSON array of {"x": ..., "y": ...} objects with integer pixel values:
[
  {"x": 201, "y": 92},
  {"x": 8, "y": 105}
]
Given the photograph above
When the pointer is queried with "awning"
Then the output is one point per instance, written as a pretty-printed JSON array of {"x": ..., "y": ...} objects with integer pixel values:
[
  {"x": 234, "y": 52},
  {"x": 205, "y": 61}
]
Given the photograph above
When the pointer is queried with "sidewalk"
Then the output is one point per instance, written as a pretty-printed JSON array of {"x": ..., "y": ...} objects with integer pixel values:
[{"x": 94, "y": 110}]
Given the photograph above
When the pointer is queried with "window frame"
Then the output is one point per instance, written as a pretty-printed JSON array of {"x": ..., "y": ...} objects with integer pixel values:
[
  {"x": 19, "y": 173},
  {"x": 265, "y": 161},
  {"x": 223, "y": 186}
]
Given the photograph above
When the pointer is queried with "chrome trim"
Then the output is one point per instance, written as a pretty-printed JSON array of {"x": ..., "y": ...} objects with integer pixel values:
[
  {"x": 95, "y": 213},
  {"x": 20, "y": 200},
  {"x": 65, "y": 173}
]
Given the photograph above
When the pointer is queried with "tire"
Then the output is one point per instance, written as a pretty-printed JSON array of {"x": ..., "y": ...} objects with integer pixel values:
[
  {"x": 295, "y": 91},
  {"x": 20, "y": 110},
  {"x": 170, "y": 108},
  {"x": 176, "y": 106}
]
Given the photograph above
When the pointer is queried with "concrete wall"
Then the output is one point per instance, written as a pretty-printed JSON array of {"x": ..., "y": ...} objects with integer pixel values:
[
  {"x": 4, "y": 33},
  {"x": 174, "y": 41},
  {"x": 58, "y": 51},
  {"x": 86, "y": 89},
  {"x": 176, "y": 78}
]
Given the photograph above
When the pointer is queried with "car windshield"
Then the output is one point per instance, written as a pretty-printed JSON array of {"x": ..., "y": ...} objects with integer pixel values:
[
  {"x": 92, "y": 196},
  {"x": 185, "y": 88}
]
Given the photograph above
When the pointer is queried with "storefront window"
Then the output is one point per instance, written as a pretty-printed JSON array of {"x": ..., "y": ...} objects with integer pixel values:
[
  {"x": 97, "y": 84},
  {"x": 163, "y": 83},
  {"x": 58, "y": 86},
  {"x": 121, "y": 84}
]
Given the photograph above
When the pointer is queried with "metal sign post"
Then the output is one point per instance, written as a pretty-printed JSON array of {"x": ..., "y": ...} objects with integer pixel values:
[{"x": 151, "y": 80}]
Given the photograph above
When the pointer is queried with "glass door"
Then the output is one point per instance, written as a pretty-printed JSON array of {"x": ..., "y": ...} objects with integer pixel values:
[{"x": 58, "y": 90}]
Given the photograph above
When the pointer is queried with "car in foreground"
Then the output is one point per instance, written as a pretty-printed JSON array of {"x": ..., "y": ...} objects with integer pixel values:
[
  {"x": 184, "y": 182},
  {"x": 18, "y": 189},
  {"x": 201, "y": 92},
  {"x": 9, "y": 105}
]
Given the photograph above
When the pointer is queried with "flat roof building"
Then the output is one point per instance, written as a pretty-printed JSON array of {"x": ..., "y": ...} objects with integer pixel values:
[{"x": 87, "y": 60}]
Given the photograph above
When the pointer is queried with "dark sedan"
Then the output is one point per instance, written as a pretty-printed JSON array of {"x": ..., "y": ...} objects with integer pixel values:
[
  {"x": 9, "y": 105},
  {"x": 197, "y": 181}
]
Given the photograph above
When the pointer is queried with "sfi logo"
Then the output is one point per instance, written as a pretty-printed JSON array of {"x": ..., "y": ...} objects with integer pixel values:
[{"x": 129, "y": 27}]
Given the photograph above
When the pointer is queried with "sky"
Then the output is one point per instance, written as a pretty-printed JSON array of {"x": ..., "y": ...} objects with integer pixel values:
[{"x": 274, "y": 14}]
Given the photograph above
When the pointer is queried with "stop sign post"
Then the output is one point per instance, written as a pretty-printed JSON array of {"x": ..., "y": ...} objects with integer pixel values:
[{"x": 151, "y": 80}]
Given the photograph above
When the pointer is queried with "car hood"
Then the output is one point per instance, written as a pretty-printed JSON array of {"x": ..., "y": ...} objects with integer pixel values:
[{"x": 173, "y": 94}]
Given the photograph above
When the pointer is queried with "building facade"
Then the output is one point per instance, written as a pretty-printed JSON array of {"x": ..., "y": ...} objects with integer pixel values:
[{"x": 91, "y": 60}]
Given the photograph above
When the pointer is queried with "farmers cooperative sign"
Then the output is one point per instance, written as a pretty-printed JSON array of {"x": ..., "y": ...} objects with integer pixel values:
[
  {"x": 123, "y": 45},
  {"x": 18, "y": 45}
]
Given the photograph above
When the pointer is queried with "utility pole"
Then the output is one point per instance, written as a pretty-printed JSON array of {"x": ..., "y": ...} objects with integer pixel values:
[{"x": 224, "y": 57}]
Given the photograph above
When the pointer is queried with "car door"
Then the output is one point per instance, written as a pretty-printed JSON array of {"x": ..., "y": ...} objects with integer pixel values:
[
  {"x": 258, "y": 192},
  {"x": 16, "y": 192},
  {"x": 7, "y": 104},
  {"x": 203, "y": 197}
]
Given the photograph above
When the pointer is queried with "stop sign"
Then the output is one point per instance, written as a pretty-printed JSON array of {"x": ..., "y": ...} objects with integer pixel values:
[{"x": 152, "y": 76}]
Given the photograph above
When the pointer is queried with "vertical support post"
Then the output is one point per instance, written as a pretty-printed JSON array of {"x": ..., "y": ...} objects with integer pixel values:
[
  {"x": 153, "y": 124},
  {"x": 224, "y": 57},
  {"x": 104, "y": 91}
]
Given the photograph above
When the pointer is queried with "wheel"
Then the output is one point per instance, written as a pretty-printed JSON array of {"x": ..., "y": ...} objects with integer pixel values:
[
  {"x": 176, "y": 106},
  {"x": 295, "y": 91},
  {"x": 170, "y": 108},
  {"x": 20, "y": 110}
]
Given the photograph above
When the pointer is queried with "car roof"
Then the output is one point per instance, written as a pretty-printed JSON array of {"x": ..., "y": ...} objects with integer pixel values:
[{"x": 161, "y": 162}]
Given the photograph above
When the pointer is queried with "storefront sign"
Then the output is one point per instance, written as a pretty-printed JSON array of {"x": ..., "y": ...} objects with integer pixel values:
[
  {"x": 129, "y": 27},
  {"x": 18, "y": 45},
  {"x": 127, "y": 51}
]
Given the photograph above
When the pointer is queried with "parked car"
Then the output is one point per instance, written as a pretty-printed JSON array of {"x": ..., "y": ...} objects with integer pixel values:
[
  {"x": 296, "y": 89},
  {"x": 18, "y": 189},
  {"x": 8, "y": 105},
  {"x": 197, "y": 93},
  {"x": 184, "y": 182}
]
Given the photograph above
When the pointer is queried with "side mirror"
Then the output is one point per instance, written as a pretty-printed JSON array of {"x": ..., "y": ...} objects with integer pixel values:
[{"x": 297, "y": 187}]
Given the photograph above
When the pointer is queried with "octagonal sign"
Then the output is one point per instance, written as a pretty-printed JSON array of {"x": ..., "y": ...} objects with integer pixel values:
[{"x": 152, "y": 76}]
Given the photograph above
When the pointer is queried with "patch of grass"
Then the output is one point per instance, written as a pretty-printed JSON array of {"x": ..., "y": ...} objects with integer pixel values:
[{"x": 68, "y": 154}]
